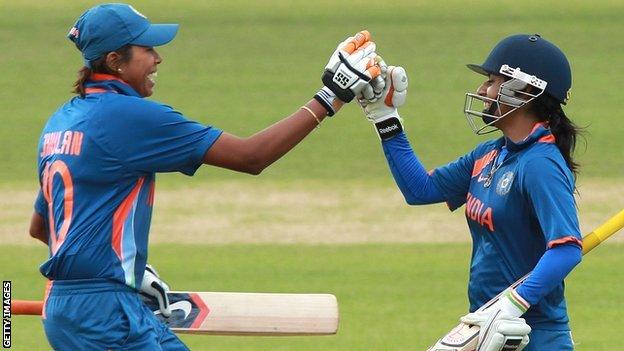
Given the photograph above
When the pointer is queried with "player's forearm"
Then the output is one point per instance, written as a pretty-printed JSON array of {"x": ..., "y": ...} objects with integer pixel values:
[
  {"x": 549, "y": 272},
  {"x": 254, "y": 154},
  {"x": 275, "y": 141},
  {"x": 411, "y": 177}
]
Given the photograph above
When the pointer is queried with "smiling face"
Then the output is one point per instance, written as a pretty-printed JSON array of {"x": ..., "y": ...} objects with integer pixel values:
[
  {"x": 490, "y": 89},
  {"x": 140, "y": 71}
]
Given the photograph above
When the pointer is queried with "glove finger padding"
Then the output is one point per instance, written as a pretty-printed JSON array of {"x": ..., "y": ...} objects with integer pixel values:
[
  {"x": 501, "y": 332},
  {"x": 353, "y": 43},
  {"x": 383, "y": 113},
  {"x": 369, "y": 69},
  {"x": 351, "y": 67},
  {"x": 474, "y": 318},
  {"x": 347, "y": 47},
  {"x": 396, "y": 81},
  {"x": 151, "y": 269},
  {"x": 366, "y": 50},
  {"x": 368, "y": 94},
  {"x": 155, "y": 287}
]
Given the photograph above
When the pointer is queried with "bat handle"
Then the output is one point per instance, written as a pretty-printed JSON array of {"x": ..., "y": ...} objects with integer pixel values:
[
  {"x": 26, "y": 307},
  {"x": 600, "y": 234}
]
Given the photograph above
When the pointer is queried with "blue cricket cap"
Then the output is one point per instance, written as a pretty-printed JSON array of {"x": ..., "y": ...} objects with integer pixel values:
[{"x": 108, "y": 27}]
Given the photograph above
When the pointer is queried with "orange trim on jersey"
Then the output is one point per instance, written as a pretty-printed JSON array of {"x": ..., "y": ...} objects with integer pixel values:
[
  {"x": 104, "y": 76},
  {"x": 481, "y": 163},
  {"x": 48, "y": 288},
  {"x": 98, "y": 90},
  {"x": 120, "y": 216},
  {"x": 565, "y": 240},
  {"x": 550, "y": 139},
  {"x": 150, "y": 197},
  {"x": 537, "y": 125}
]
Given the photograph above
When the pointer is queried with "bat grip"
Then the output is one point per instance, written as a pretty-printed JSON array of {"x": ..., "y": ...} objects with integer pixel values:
[
  {"x": 26, "y": 307},
  {"x": 590, "y": 241},
  {"x": 600, "y": 234}
]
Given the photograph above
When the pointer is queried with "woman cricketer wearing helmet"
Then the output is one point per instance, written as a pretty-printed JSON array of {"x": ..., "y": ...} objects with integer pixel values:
[
  {"x": 97, "y": 159},
  {"x": 518, "y": 190}
]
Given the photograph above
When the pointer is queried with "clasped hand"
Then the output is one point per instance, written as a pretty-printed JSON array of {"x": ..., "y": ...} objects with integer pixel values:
[{"x": 355, "y": 70}]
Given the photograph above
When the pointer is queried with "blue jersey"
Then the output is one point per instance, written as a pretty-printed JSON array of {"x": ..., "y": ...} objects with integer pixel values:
[
  {"x": 519, "y": 201},
  {"x": 96, "y": 161}
]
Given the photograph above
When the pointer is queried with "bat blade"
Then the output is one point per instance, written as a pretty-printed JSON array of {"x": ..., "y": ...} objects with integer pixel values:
[
  {"x": 229, "y": 313},
  {"x": 226, "y": 313},
  {"x": 464, "y": 337}
]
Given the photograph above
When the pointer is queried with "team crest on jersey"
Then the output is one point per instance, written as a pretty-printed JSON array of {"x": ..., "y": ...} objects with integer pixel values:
[{"x": 504, "y": 185}]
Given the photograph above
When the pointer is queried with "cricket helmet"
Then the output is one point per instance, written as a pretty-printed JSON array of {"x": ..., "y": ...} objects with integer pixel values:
[{"x": 527, "y": 60}]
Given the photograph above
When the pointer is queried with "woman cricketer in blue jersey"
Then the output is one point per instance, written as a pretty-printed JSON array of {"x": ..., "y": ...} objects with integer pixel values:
[
  {"x": 97, "y": 159},
  {"x": 517, "y": 190}
]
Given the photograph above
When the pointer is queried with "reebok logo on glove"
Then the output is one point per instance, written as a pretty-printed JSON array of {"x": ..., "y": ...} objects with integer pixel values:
[{"x": 389, "y": 128}]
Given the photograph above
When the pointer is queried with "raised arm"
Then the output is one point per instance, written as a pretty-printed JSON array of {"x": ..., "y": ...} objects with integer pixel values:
[
  {"x": 415, "y": 183},
  {"x": 255, "y": 153},
  {"x": 346, "y": 75}
]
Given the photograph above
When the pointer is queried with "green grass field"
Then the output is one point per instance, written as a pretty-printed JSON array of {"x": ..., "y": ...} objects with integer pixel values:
[
  {"x": 391, "y": 297},
  {"x": 241, "y": 66}
]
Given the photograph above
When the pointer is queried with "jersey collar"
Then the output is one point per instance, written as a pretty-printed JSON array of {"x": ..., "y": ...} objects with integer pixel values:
[
  {"x": 102, "y": 83},
  {"x": 539, "y": 134}
]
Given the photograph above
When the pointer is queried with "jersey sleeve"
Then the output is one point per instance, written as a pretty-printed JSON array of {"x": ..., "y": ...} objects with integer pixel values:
[
  {"x": 453, "y": 180},
  {"x": 549, "y": 188},
  {"x": 150, "y": 137},
  {"x": 409, "y": 174}
]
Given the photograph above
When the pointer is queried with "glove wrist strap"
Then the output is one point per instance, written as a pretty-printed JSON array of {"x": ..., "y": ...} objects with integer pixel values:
[
  {"x": 514, "y": 303},
  {"x": 389, "y": 127},
  {"x": 326, "y": 98}
]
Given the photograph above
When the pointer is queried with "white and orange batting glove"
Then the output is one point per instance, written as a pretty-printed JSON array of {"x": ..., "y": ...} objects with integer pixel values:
[
  {"x": 154, "y": 287},
  {"x": 349, "y": 70},
  {"x": 374, "y": 90},
  {"x": 501, "y": 327},
  {"x": 383, "y": 112}
]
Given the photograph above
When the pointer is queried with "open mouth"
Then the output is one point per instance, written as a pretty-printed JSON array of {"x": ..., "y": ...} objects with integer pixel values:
[{"x": 152, "y": 77}]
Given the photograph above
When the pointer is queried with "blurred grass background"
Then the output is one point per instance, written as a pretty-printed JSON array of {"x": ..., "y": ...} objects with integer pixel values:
[{"x": 243, "y": 65}]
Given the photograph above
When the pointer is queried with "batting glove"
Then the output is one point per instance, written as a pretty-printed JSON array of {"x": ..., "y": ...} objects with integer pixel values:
[
  {"x": 154, "y": 287},
  {"x": 383, "y": 112},
  {"x": 501, "y": 327},
  {"x": 348, "y": 71}
]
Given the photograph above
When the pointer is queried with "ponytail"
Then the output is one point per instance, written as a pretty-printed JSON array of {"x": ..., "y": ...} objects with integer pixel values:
[
  {"x": 99, "y": 66},
  {"x": 549, "y": 110}
]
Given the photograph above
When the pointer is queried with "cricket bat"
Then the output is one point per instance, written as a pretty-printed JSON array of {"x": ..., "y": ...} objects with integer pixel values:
[
  {"x": 232, "y": 313},
  {"x": 464, "y": 337}
]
